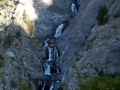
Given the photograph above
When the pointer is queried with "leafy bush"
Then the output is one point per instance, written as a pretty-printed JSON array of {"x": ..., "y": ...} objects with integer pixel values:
[
  {"x": 101, "y": 83},
  {"x": 102, "y": 16}
]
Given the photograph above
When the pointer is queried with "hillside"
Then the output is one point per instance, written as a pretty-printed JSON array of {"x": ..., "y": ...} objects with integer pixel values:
[{"x": 83, "y": 50}]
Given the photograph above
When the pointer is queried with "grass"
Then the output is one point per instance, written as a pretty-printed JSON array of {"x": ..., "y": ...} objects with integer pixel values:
[
  {"x": 23, "y": 86},
  {"x": 3, "y": 2},
  {"x": 28, "y": 23}
]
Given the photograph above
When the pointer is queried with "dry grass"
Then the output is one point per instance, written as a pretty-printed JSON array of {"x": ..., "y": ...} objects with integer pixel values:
[{"x": 29, "y": 23}]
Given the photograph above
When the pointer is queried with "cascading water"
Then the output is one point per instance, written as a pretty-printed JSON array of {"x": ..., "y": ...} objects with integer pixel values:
[
  {"x": 55, "y": 53},
  {"x": 43, "y": 88},
  {"x": 52, "y": 86},
  {"x": 59, "y": 30},
  {"x": 46, "y": 43},
  {"x": 46, "y": 68},
  {"x": 74, "y": 8},
  {"x": 52, "y": 50},
  {"x": 51, "y": 54}
]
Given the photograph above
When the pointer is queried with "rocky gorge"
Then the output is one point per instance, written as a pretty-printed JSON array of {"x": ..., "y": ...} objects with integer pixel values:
[{"x": 30, "y": 46}]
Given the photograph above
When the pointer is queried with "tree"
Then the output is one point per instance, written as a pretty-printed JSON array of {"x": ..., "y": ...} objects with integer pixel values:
[{"x": 102, "y": 16}]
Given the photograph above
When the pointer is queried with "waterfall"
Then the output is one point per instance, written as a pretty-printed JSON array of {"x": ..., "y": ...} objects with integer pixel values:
[
  {"x": 52, "y": 86},
  {"x": 74, "y": 8},
  {"x": 46, "y": 42},
  {"x": 44, "y": 86},
  {"x": 59, "y": 30},
  {"x": 55, "y": 53},
  {"x": 46, "y": 68},
  {"x": 51, "y": 54},
  {"x": 58, "y": 71}
]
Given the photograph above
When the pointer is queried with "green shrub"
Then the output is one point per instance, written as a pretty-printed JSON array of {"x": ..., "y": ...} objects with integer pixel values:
[
  {"x": 2, "y": 64},
  {"x": 100, "y": 72},
  {"x": 18, "y": 34},
  {"x": 8, "y": 40},
  {"x": 102, "y": 16},
  {"x": 1, "y": 57},
  {"x": 101, "y": 83},
  {"x": 13, "y": 84}
]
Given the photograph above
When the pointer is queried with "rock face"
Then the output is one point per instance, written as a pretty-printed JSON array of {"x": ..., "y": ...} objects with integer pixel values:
[{"x": 85, "y": 47}]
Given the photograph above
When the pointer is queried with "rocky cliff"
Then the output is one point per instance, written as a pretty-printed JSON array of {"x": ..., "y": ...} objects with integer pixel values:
[{"x": 84, "y": 46}]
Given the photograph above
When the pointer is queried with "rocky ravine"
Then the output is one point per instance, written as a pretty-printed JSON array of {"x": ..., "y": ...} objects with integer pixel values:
[{"x": 83, "y": 45}]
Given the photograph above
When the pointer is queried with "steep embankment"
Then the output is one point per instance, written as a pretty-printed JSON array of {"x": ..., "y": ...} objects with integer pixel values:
[{"x": 84, "y": 45}]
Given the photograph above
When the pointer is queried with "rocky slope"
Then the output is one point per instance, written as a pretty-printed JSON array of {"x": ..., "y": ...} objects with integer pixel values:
[{"x": 83, "y": 46}]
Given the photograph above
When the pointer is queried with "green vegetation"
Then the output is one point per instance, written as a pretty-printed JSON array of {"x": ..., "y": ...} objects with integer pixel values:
[
  {"x": 116, "y": 14},
  {"x": 18, "y": 34},
  {"x": 36, "y": 83},
  {"x": 102, "y": 16},
  {"x": 28, "y": 23},
  {"x": 0, "y": 40},
  {"x": 3, "y": 82},
  {"x": 2, "y": 64},
  {"x": 1, "y": 57},
  {"x": 100, "y": 72},
  {"x": 1, "y": 74},
  {"x": 23, "y": 86},
  {"x": 73, "y": 64},
  {"x": 13, "y": 84},
  {"x": 88, "y": 47},
  {"x": 8, "y": 40},
  {"x": 101, "y": 83}
]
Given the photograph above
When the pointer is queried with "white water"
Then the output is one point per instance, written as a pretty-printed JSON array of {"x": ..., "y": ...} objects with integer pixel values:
[
  {"x": 46, "y": 43},
  {"x": 55, "y": 53},
  {"x": 47, "y": 68},
  {"x": 58, "y": 71},
  {"x": 59, "y": 30},
  {"x": 74, "y": 8},
  {"x": 52, "y": 86},
  {"x": 44, "y": 86},
  {"x": 51, "y": 54}
]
